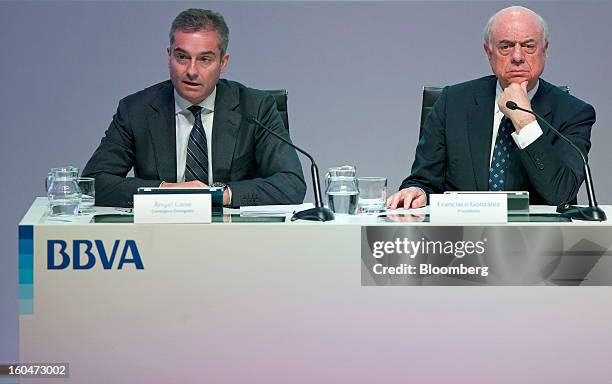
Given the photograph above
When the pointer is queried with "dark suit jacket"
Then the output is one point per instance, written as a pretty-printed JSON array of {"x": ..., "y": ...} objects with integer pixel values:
[
  {"x": 259, "y": 168},
  {"x": 454, "y": 150}
]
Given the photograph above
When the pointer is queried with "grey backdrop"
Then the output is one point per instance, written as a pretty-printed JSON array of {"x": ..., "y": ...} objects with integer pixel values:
[{"x": 354, "y": 71}]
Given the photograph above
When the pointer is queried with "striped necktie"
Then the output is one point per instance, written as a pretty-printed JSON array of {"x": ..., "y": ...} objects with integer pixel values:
[
  {"x": 196, "y": 167},
  {"x": 504, "y": 148}
]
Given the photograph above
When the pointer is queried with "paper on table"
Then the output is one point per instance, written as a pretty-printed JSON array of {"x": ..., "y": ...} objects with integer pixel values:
[{"x": 273, "y": 210}]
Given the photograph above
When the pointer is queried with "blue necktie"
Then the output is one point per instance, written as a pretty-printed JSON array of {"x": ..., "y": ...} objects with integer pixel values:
[
  {"x": 196, "y": 167},
  {"x": 504, "y": 148}
]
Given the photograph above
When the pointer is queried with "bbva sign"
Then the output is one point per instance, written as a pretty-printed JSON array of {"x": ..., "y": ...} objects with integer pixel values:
[{"x": 84, "y": 254}]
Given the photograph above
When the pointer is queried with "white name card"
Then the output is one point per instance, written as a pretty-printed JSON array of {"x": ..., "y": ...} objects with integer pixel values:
[
  {"x": 478, "y": 208},
  {"x": 172, "y": 208}
]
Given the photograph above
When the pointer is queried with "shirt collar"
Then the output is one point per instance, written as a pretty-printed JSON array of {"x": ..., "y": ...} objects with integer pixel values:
[
  {"x": 499, "y": 90},
  {"x": 181, "y": 105}
]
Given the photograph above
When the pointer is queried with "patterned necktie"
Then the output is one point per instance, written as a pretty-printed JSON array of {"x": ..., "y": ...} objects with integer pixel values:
[
  {"x": 196, "y": 167},
  {"x": 504, "y": 147}
]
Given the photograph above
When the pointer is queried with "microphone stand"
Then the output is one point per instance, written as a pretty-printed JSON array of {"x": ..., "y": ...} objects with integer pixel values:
[
  {"x": 319, "y": 212},
  {"x": 590, "y": 213}
]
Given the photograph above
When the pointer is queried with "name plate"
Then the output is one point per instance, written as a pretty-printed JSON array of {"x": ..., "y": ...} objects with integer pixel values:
[
  {"x": 477, "y": 208},
  {"x": 173, "y": 208}
]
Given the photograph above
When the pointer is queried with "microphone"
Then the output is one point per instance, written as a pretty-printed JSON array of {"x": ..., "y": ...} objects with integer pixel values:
[
  {"x": 319, "y": 212},
  {"x": 590, "y": 213}
]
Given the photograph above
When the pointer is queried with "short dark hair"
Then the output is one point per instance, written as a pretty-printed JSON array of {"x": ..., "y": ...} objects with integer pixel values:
[{"x": 196, "y": 19}]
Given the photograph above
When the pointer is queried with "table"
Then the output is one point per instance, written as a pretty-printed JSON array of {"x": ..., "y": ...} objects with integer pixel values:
[{"x": 248, "y": 302}]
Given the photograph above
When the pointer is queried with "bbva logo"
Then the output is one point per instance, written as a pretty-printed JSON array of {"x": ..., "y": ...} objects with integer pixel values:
[{"x": 85, "y": 253}]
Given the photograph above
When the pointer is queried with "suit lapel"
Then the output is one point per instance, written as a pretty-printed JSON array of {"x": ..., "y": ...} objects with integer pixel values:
[
  {"x": 162, "y": 126},
  {"x": 539, "y": 104},
  {"x": 226, "y": 125},
  {"x": 480, "y": 130}
]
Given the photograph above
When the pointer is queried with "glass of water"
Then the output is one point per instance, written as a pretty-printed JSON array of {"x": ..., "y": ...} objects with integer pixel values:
[
  {"x": 88, "y": 193},
  {"x": 372, "y": 194}
]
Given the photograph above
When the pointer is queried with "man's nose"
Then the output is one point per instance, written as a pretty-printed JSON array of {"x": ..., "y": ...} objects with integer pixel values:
[
  {"x": 191, "y": 69},
  {"x": 517, "y": 54}
]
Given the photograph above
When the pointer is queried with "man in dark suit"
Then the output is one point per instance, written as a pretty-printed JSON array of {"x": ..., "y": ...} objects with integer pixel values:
[
  {"x": 165, "y": 132},
  {"x": 472, "y": 141}
]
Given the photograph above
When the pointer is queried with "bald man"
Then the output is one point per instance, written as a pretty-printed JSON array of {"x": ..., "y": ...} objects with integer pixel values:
[{"x": 472, "y": 142}]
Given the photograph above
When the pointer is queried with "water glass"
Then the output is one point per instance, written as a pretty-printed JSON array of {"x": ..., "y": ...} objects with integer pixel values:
[
  {"x": 372, "y": 194},
  {"x": 88, "y": 193}
]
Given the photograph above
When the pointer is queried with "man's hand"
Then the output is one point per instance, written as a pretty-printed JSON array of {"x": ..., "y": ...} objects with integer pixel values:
[
  {"x": 410, "y": 198},
  {"x": 227, "y": 199},
  {"x": 186, "y": 184},
  {"x": 517, "y": 93},
  {"x": 198, "y": 184}
]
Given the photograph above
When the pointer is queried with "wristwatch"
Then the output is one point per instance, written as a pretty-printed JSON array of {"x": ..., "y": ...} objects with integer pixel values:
[{"x": 219, "y": 184}]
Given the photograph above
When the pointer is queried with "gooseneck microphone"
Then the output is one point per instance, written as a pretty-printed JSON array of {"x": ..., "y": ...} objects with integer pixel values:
[
  {"x": 590, "y": 213},
  {"x": 319, "y": 212}
]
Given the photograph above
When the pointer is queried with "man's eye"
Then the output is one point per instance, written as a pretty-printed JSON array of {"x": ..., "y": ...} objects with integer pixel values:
[
  {"x": 180, "y": 57},
  {"x": 530, "y": 47}
]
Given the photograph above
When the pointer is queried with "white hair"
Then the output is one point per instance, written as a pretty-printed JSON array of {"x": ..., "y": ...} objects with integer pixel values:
[{"x": 543, "y": 24}]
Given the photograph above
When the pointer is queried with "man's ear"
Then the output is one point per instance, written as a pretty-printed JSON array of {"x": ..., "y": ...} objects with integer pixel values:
[
  {"x": 487, "y": 50},
  {"x": 224, "y": 62}
]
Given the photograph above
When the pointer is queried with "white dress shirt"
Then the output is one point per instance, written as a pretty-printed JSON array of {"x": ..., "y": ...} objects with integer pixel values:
[
  {"x": 184, "y": 123},
  {"x": 527, "y": 135}
]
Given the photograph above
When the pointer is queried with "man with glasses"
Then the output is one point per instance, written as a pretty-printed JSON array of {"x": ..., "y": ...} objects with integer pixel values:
[{"x": 472, "y": 141}]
